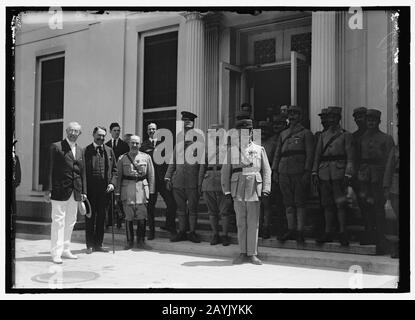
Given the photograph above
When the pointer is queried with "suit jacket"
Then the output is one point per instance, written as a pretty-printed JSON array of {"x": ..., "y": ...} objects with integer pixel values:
[
  {"x": 131, "y": 191},
  {"x": 372, "y": 155},
  {"x": 121, "y": 148},
  {"x": 342, "y": 146},
  {"x": 111, "y": 165},
  {"x": 248, "y": 176},
  {"x": 159, "y": 169},
  {"x": 295, "y": 151},
  {"x": 183, "y": 175},
  {"x": 66, "y": 174}
]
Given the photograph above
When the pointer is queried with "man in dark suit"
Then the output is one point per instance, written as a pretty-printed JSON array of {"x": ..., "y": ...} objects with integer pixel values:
[
  {"x": 148, "y": 146},
  {"x": 65, "y": 187},
  {"x": 119, "y": 147},
  {"x": 101, "y": 176}
]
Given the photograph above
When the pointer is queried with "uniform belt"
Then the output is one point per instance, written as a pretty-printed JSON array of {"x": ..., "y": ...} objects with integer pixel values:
[
  {"x": 133, "y": 178},
  {"x": 334, "y": 158},
  {"x": 371, "y": 161},
  {"x": 291, "y": 153},
  {"x": 213, "y": 168},
  {"x": 236, "y": 170}
]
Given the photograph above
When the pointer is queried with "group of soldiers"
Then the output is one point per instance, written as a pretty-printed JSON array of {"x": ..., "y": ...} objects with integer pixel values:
[{"x": 278, "y": 174}]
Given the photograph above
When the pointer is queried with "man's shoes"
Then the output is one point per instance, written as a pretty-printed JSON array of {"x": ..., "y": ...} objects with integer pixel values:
[
  {"x": 100, "y": 249},
  {"x": 300, "y": 237},
  {"x": 254, "y": 260},
  {"x": 151, "y": 235},
  {"x": 215, "y": 240},
  {"x": 57, "y": 260},
  {"x": 89, "y": 250},
  {"x": 129, "y": 246},
  {"x": 193, "y": 237},
  {"x": 327, "y": 237},
  {"x": 343, "y": 239},
  {"x": 181, "y": 236},
  {"x": 239, "y": 259},
  {"x": 289, "y": 235},
  {"x": 143, "y": 245},
  {"x": 226, "y": 241},
  {"x": 69, "y": 255}
]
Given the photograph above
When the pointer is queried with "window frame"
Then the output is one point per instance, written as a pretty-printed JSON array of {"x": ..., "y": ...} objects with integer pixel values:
[
  {"x": 38, "y": 122},
  {"x": 140, "y": 90}
]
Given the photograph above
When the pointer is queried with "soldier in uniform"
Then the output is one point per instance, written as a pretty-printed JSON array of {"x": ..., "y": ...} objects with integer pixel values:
[
  {"x": 324, "y": 123},
  {"x": 332, "y": 172},
  {"x": 359, "y": 115},
  {"x": 183, "y": 180},
  {"x": 136, "y": 182},
  {"x": 372, "y": 152},
  {"x": 246, "y": 177},
  {"x": 291, "y": 169},
  {"x": 391, "y": 190},
  {"x": 210, "y": 187},
  {"x": 269, "y": 142}
]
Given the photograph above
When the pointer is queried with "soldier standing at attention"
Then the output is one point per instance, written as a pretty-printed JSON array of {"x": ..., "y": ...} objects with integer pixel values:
[
  {"x": 246, "y": 177},
  {"x": 269, "y": 142},
  {"x": 372, "y": 151},
  {"x": 332, "y": 171},
  {"x": 182, "y": 178},
  {"x": 136, "y": 182},
  {"x": 210, "y": 186},
  {"x": 324, "y": 123},
  {"x": 359, "y": 115},
  {"x": 291, "y": 169}
]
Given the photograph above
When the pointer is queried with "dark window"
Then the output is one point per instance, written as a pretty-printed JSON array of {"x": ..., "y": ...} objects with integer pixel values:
[
  {"x": 264, "y": 51},
  {"x": 49, "y": 133},
  {"x": 51, "y": 110},
  {"x": 160, "y": 70},
  {"x": 51, "y": 94}
]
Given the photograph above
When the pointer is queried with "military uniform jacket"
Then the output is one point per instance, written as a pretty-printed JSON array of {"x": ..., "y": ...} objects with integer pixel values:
[
  {"x": 183, "y": 175},
  {"x": 294, "y": 152},
  {"x": 160, "y": 169},
  {"x": 250, "y": 176},
  {"x": 210, "y": 174},
  {"x": 270, "y": 146},
  {"x": 135, "y": 191},
  {"x": 373, "y": 151},
  {"x": 336, "y": 160},
  {"x": 391, "y": 177}
]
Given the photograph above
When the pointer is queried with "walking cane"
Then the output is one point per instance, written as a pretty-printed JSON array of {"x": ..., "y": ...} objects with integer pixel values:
[{"x": 112, "y": 224}]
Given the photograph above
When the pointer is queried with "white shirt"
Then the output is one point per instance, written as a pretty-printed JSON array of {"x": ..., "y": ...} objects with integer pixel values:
[
  {"x": 72, "y": 145},
  {"x": 153, "y": 141}
]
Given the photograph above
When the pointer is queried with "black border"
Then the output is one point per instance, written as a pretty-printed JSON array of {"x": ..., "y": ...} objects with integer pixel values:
[{"x": 404, "y": 140}]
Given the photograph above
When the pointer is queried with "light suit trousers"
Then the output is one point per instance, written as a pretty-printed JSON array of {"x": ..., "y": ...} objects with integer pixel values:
[
  {"x": 63, "y": 221},
  {"x": 247, "y": 222}
]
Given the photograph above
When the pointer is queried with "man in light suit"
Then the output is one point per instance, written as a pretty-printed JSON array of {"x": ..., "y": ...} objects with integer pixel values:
[
  {"x": 101, "y": 175},
  {"x": 66, "y": 186},
  {"x": 332, "y": 171},
  {"x": 246, "y": 177}
]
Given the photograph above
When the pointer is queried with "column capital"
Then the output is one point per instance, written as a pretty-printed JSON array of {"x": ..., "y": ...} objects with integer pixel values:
[
  {"x": 213, "y": 20},
  {"x": 193, "y": 15}
]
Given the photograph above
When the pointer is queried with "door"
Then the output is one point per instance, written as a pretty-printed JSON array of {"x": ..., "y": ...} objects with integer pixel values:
[{"x": 300, "y": 84}]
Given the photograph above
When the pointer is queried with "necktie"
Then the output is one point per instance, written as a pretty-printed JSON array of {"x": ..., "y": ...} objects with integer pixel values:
[
  {"x": 114, "y": 144},
  {"x": 99, "y": 150}
]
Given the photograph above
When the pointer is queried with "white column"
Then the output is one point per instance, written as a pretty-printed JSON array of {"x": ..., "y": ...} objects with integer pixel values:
[
  {"x": 211, "y": 106},
  {"x": 340, "y": 62},
  {"x": 195, "y": 68},
  {"x": 323, "y": 65}
]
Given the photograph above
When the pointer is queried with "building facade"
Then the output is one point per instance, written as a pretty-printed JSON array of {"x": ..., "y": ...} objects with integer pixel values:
[{"x": 137, "y": 67}]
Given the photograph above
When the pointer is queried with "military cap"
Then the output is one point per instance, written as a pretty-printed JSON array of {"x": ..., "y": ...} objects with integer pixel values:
[
  {"x": 295, "y": 108},
  {"x": 324, "y": 112},
  {"x": 284, "y": 108},
  {"x": 244, "y": 124},
  {"x": 242, "y": 114},
  {"x": 216, "y": 126},
  {"x": 360, "y": 110},
  {"x": 373, "y": 113},
  {"x": 186, "y": 115},
  {"x": 246, "y": 105},
  {"x": 334, "y": 110}
]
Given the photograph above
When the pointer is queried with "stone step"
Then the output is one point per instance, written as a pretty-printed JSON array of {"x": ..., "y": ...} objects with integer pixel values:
[{"x": 297, "y": 257}]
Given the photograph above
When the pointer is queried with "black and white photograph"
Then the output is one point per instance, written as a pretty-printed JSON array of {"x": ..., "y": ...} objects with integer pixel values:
[{"x": 210, "y": 149}]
